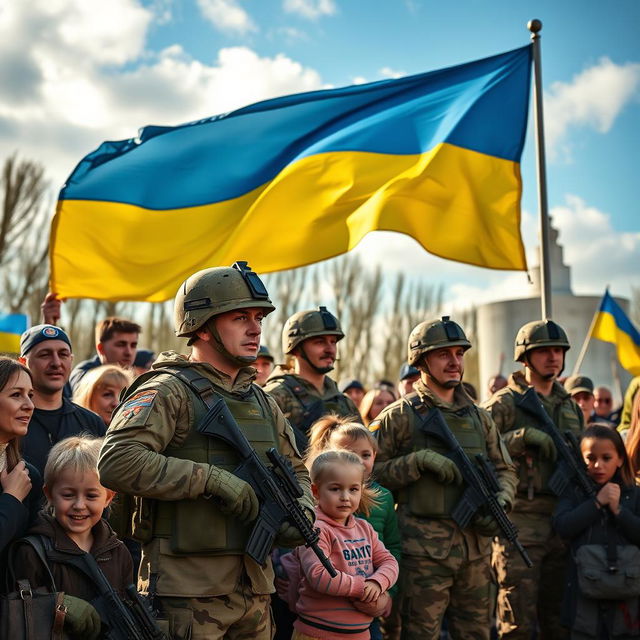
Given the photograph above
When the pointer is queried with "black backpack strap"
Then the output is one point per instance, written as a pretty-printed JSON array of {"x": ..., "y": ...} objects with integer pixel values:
[
  {"x": 40, "y": 544},
  {"x": 200, "y": 385},
  {"x": 418, "y": 406},
  {"x": 300, "y": 393}
]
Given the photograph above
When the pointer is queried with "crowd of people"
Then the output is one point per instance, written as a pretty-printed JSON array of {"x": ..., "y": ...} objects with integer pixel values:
[{"x": 133, "y": 468}]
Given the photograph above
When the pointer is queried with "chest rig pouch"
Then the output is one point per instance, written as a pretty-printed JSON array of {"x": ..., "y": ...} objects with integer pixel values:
[
  {"x": 428, "y": 498},
  {"x": 198, "y": 526}
]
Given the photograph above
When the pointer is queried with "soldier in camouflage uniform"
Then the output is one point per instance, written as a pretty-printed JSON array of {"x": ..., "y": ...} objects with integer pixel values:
[
  {"x": 530, "y": 598},
  {"x": 304, "y": 392},
  {"x": 193, "y": 516},
  {"x": 443, "y": 567}
]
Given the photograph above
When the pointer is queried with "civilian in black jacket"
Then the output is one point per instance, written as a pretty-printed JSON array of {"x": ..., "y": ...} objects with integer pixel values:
[
  {"x": 46, "y": 351},
  {"x": 20, "y": 483},
  {"x": 613, "y": 517}
]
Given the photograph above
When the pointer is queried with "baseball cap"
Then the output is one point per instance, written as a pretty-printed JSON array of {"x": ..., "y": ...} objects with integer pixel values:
[
  {"x": 143, "y": 357},
  {"x": 41, "y": 332},
  {"x": 578, "y": 384},
  {"x": 407, "y": 371},
  {"x": 349, "y": 383}
]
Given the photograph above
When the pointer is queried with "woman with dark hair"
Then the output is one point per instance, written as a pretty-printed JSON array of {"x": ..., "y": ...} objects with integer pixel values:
[{"x": 20, "y": 483}]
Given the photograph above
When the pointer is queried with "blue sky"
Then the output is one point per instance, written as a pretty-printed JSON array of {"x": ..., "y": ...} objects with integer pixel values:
[{"x": 75, "y": 72}]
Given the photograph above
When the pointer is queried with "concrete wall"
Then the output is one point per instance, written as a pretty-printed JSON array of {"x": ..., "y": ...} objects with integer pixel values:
[{"x": 498, "y": 323}]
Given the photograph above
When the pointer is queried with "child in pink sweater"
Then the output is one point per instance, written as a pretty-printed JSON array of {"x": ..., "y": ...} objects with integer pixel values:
[{"x": 344, "y": 606}]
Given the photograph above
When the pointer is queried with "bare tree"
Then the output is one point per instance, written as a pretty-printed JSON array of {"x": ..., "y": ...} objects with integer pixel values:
[{"x": 23, "y": 236}]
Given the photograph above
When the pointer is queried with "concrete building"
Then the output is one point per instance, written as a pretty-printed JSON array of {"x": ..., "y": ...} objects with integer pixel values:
[{"x": 498, "y": 323}]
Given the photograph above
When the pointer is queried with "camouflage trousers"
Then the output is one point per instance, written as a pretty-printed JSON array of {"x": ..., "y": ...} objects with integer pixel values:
[
  {"x": 464, "y": 589},
  {"x": 237, "y": 616},
  {"x": 530, "y": 599}
]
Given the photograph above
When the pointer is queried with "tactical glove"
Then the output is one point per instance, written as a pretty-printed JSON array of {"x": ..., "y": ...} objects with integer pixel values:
[
  {"x": 486, "y": 526},
  {"x": 289, "y": 536},
  {"x": 234, "y": 496},
  {"x": 81, "y": 619},
  {"x": 536, "y": 438},
  {"x": 445, "y": 469}
]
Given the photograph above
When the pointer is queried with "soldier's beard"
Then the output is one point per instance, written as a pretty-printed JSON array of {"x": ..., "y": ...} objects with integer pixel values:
[
  {"x": 218, "y": 345},
  {"x": 322, "y": 370}
]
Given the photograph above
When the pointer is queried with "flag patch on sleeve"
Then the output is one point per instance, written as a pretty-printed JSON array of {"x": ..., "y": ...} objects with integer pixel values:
[{"x": 137, "y": 402}]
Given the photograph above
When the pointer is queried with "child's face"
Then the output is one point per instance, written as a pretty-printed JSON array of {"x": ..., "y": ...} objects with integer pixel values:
[
  {"x": 78, "y": 501},
  {"x": 361, "y": 447},
  {"x": 340, "y": 491},
  {"x": 601, "y": 458}
]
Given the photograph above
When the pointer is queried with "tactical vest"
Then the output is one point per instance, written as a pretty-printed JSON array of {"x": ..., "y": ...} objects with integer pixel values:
[
  {"x": 198, "y": 526},
  {"x": 313, "y": 407},
  {"x": 428, "y": 498},
  {"x": 534, "y": 470}
]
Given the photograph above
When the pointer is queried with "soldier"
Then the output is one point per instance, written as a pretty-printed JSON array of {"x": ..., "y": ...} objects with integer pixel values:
[
  {"x": 263, "y": 365},
  {"x": 304, "y": 392},
  {"x": 443, "y": 567},
  {"x": 531, "y": 597},
  {"x": 193, "y": 515}
]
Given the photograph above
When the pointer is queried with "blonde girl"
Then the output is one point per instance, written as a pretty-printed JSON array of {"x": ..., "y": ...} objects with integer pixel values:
[
  {"x": 334, "y": 432},
  {"x": 328, "y": 607},
  {"x": 99, "y": 390}
]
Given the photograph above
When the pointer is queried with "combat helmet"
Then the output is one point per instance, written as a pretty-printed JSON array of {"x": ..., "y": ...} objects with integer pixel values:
[
  {"x": 435, "y": 334},
  {"x": 309, "y": 324},
  {"x": 537, "y": 334},
  {"x": 211, "y": 292}
]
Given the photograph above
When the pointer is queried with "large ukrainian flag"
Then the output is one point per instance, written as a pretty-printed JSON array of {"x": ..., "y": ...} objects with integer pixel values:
[
  {"x": 613, "y": 325},
  {"x": 298, "y": 179}
]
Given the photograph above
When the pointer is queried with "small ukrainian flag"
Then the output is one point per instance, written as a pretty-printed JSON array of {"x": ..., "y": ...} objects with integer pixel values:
[
  {"x": 12, "y": 326},
  {"x": 613, "y": 325}
]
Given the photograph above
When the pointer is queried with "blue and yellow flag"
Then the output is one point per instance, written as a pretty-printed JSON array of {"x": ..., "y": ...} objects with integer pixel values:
[
  {"x": 613, "y": 325},
  {"x": 298, "y": 179},
  {"x": 12, "y": 326}
]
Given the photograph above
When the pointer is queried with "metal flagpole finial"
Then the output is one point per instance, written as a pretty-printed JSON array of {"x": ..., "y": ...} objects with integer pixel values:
[{"x": 535, "y": 26}]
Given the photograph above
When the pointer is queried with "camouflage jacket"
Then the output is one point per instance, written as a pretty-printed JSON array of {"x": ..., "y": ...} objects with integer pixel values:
[
  {"x": 132, "y": 462},
  {"x": 333, "y": 400},
  {"x": 396, "y": 468},
  {"x": 512, "y": 423}
]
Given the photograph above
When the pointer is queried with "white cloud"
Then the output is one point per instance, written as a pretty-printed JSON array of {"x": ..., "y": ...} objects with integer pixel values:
[
  {"x": 598, "y": 253},
  {"x": 68, "y": 84},
  {"x": 594, "y": 98},
  {"x": 227, "y": 16},
  {"x": 388, "y": 72},
  {"x": 310, "y": 9}
]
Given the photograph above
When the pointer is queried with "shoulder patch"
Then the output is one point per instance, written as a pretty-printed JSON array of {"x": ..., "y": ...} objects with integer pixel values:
[{"x": 137, "y": 402}]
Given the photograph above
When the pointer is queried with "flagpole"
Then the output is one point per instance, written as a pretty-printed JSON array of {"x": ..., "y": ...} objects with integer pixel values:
[
  {"x": 585, "y": 344},
  {"x": 535, "y": 27}
]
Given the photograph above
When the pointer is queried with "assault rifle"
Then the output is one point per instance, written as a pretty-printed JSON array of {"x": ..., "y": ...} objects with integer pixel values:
[
  {"x": 570, "y": 469},
  {"x": 126, "y": 620},
  {"x": 276, "y": 486},
  {"x": 480, "y": 480}
]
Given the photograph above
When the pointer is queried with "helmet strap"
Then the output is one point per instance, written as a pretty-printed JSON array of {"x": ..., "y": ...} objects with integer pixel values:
[
  {"x": 218, "y": 345},
  {"x": 305, "y": 357},
  {"x": 449, "y": 384}
]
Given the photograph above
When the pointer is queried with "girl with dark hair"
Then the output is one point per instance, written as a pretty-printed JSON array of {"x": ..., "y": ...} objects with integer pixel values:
[
  {"x": 602, "y": 593},
  {"x": 20, "y": 483}
]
